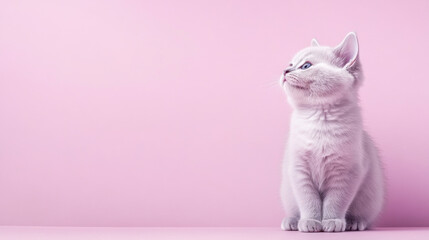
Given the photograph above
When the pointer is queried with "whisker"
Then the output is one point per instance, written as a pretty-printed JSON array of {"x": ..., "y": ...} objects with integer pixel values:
[{"x": 271, "y": 83}]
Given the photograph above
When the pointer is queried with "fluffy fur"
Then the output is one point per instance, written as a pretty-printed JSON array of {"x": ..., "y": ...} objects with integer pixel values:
[{"x": 332, "y": 175}]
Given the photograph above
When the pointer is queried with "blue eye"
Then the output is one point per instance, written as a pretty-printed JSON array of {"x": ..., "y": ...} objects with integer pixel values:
[{"x": 306, "y": 65}]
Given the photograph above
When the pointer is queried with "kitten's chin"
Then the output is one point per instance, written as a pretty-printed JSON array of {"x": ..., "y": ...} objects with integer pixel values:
[{"x": 295, "y": 86}]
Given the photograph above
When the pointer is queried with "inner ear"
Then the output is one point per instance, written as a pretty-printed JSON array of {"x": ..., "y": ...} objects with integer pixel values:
[
  {"x": 314, "y": 43},
  {"x": 348, "y": 50}
]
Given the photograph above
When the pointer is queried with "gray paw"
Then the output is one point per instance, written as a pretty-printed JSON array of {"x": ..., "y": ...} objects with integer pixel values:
[
  {"x": 309, "y": 225},
  {"x": 356, "y": 225},
  {"x": 289, "y": 224},
  {"x": 334, "y": 225}
]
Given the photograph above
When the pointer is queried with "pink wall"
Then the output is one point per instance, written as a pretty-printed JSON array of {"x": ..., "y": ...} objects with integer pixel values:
[{"x": 130, "y": 113}]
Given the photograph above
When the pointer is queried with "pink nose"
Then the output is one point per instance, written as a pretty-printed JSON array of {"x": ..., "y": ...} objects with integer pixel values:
[{"x": 287, "y": 71}]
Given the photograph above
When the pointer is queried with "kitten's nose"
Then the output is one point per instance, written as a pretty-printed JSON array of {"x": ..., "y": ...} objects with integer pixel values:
[{"x": 287, "y": 71}]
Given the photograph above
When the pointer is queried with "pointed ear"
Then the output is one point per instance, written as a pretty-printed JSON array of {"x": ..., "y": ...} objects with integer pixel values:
[
  {"x": 348, "y": 50},
  {"x": 314, "y": 43}
]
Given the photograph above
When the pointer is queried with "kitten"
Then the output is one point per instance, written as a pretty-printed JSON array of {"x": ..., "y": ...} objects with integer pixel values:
[{"x": 332, "y": 175}]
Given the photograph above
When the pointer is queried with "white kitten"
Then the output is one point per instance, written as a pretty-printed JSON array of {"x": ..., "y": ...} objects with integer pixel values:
[{"x": 332, "y": 175}]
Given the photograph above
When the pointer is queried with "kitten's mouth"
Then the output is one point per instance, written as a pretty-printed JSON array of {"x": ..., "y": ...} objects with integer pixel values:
[{"x": 293, "y": 85}]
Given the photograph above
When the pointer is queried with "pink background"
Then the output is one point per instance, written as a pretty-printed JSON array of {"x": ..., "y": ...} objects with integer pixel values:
[{"x": 168, "y": 113}]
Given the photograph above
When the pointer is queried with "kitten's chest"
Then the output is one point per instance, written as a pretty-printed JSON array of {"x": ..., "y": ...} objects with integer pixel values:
[{"x": 323, "y": 147}]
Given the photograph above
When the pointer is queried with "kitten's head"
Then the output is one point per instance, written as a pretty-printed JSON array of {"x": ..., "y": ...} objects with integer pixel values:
[{"x": 320, "y": 75}]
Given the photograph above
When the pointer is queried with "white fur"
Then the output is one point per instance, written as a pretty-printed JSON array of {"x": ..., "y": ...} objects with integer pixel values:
[{"x": 332, "y": 176}]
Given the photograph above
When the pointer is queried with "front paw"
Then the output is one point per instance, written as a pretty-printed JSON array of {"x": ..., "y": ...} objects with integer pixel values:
[
  {"x": 309, "y": 225},
  {"x": 334, "y": 225}
]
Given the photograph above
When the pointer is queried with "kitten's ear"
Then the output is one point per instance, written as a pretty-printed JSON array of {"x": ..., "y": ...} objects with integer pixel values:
[
  {"x": 348, "y": 50},
  {"x": 314, "y": 43}
]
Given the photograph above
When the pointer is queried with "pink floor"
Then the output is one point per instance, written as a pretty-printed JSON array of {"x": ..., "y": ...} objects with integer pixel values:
[{"x": 87, "y": 233}]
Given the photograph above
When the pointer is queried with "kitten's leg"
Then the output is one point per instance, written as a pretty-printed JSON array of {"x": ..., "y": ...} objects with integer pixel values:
[
  {"x": 361, "y": 212},
  {"x": 341, "y": 187},
  {"x": 290, "y": 222},
  {"x": 368, "y": 201},
  {"x": 308, "y": 199}
]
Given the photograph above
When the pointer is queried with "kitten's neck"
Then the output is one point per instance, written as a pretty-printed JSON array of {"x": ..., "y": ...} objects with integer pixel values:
[{"x": 345, "y": 110}]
